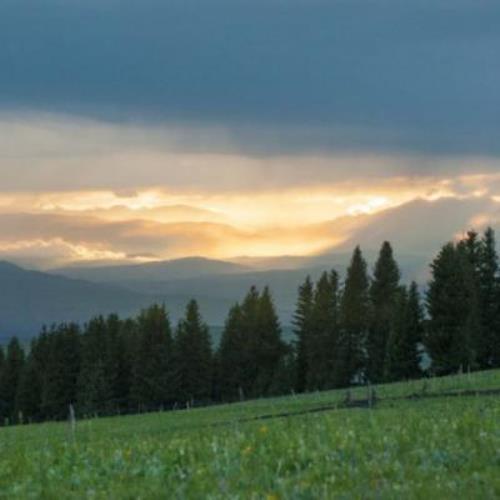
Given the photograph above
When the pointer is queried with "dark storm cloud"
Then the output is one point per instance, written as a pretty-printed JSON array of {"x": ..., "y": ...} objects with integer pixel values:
[{"x": 313, "y": 75}]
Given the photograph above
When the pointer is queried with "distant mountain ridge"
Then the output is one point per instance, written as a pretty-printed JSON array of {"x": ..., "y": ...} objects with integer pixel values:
[
  {"x": 29, "y": 299},
  {"x": 419, "y": 227},
  {"x": 185, "y": 268}
]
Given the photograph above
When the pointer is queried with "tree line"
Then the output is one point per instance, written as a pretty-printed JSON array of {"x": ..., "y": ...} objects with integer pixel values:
[{"x": 366, "y": 329}]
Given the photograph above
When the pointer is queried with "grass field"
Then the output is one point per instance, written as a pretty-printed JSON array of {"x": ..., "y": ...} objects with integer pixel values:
[{"x": 433, "y": 439}]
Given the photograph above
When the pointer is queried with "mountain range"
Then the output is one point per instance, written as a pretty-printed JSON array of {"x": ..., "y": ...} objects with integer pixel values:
[{"x": 30, "y": 299}]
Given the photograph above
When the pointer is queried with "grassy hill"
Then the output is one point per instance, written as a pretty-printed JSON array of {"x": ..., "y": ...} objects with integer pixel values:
[{"x": 438, "y": 438}]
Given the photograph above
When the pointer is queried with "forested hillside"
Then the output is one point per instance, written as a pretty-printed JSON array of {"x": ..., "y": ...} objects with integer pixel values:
[{"x": 364, "y": 328}]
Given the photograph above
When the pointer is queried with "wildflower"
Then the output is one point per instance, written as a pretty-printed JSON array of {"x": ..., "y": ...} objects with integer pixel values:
[
  {"x": 264, "y": 429},
  {"x": 248, "y": 450}
]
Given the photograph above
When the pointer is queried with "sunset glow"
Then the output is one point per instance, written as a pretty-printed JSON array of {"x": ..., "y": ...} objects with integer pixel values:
[
  {"x": 162, "y": 222},
  {"x": 140, "y": 146}
]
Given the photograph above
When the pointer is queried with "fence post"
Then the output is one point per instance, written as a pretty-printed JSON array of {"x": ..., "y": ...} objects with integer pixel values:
[{"x": 72, "y": 421}]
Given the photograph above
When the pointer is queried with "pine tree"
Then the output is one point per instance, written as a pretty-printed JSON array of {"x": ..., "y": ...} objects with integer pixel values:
[
  {"x": 31, "y": 384},
  {"x": 469, "y": 258},
  {"x": 395, "y": 359},
  {"x": 488, "y": 342},
  {"x": 250, "y": 332},
  {"x": 322, "y": 346},
  {"x": 130, "y": 343},
  {"x": 62, "y": 367},
  {"x": 471, "y": 250},
  {"x": 151, "y": 386},
  {"x": 94, "y": 390},
  {"x": 28, "y": 395},
  {"x": 471, "y": 246},
  {"x": 269, "y": 348},
  {"x": 27, "y": 400},
  {"x": 231, "y": 357},
  {"x": 415, "y": 317},
  {"x": 302, "y": 323},
  {"x": 193, "y": 363},
  {"x": 453, "y": 311},
  {"x": 11, "y": 374},
  {"x": 384, "y": 293},
  {"x": 403, "y": 350},
  {"x": 284, "y": 374},
  {"x": 104, "y": 381},
  {"x": 118, "y": 366},
  {"x": 354, "y": 322}
]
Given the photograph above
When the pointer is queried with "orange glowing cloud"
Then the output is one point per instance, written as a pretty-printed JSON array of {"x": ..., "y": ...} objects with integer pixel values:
[{"x": 88, "y": 191}]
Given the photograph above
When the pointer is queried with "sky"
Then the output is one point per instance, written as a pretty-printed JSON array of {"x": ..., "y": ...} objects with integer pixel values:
[{"x": 135, "y": 131}]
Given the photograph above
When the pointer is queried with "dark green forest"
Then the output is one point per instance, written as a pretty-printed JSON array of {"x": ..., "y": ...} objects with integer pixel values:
[{"x": 366, "y": 329}]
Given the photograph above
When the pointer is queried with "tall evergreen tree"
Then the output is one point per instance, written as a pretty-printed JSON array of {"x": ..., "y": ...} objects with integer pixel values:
[
  {"x": 285, "y": 374},
  {"x": 354, "y": 322},
  {"x": 231, "y": 357},
  {"x": 11, "y": 374},
  {"x": 250, "y": 332},
  {"x": 269, "y": 347},
  {"x": 29, "y": 390},
  {"x": 152, "y": 368},
  {"x": 302, "y": 323},
  {"x": 384, "y": 292},
  {"x": 94, "y": 390},
  {"x": 262, "y": 347},
  {"x": 415, "y": 318},
  {"x": 193, "y": 357},
  {"x": 131, "y": 343},
  {"x": 117, "y": 360},
  {"x": 469, "y": 251},
  {"x": 395, "y": 358},
  {"x": 60, "y": 376},
  {"x": 453, "y": 311},
  {"x": 488, "y": 343},
  {"x": 470, "y": 248},
  {"x": 322, "y": 345},
  {"x": 104, "y": 381},
  {"x": 403, "y": 350}
]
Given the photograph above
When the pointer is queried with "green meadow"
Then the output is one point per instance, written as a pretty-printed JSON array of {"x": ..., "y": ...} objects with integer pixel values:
[{"x": 438, "y": 438}]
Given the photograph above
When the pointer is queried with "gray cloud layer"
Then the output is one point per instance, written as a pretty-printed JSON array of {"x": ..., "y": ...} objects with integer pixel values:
[
  {"x": 51, "y": 154},
  {"x": 282, "y": 76}
]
